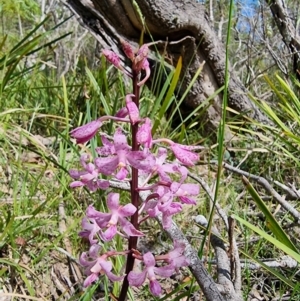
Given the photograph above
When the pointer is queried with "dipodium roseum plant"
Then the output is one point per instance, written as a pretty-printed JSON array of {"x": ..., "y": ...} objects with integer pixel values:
[{"x": 145, "y": 166}]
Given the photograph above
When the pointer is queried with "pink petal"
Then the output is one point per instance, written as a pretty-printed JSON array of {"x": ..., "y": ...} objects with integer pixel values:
[
  {"x": 122, "y": 174},
  {"x": 127, "y": 210},
  {"x": 114, "y": 277},
  {"x": 151, "y": 208},
  {"x": 146, "y": 67},
  {"x": 137, "y": 279},
  {"x": 149, "y": 259},
  {"x": 94, "y": 251},
  {"x": 102, "y": 184},
  {"x": 76, "y": 184},
  {"x": 187, "y": 200},
  {"x": 190, "y": 189},
  {"x": 102, "y": 264},
  {"x": 75, "y": 174},
  {"x": 90, "y": 229},
  {"x": 90, "y": 279},
  {"x": 110, "y": 233},
  {"x": 86, "y": 132},
  {"x": 165, "y": 201},
  {"x": 180, "y": 261},
  {"x": 184, "y": 156},
  {"x": 130, "y": 230},
  {"x": 113, "y": 201},
  {"x": 166, "y": 221},
  {"x": 141, "y": 56},
  {"x": 122, "y": 113},
  {"x": 83, "y": 259},
  {"x": 143, "y": 51},
  {"x": 162, "y": 155},
  {"x": 112, "y": 58},
  {"x": 155, "y": 287},
  {"x": 101, "y": 218},
  {"x": 107, "y": 165},
  {"x": 165, "y": 271},
  {"x": 173, "y": 208},
  {"x": 132, "y": 108},
  {"x": 107, "y": 149},
  {"x": 127, "y": 49},
  {"x": 138, "y": 160},
  {"x": 120, "y": 141},
  {"x": 83, "y": 159},
  {"x": 174, "y": 187},
  {"x": 144, "y": 135}
]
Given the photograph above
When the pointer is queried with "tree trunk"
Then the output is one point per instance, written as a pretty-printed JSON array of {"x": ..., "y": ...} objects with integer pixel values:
[
  {"x": 289, "y": 33},
  {"x": 184, "y": 24}
]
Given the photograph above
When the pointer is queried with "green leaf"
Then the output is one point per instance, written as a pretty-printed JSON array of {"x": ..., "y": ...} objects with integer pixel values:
[
  {"x": 94, "y": 83},
  {"x": 269, "y": 238},
  {"x": 272, "y": 224}
]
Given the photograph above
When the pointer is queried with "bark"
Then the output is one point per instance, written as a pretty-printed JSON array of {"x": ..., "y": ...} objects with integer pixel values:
[
  {"x": 289, "y": 33},
  {"x": 184, "y": 24}
]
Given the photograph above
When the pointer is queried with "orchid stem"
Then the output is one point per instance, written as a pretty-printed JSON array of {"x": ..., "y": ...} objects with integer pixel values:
[{"x": 134, "y": 195}]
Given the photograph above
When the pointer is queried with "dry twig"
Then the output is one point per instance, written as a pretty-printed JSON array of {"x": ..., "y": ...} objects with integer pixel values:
[{"x": 263, "y": 182}]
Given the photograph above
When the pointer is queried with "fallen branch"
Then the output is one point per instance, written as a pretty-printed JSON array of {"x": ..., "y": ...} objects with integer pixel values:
[
  {"x": 223, "y": 264},
  {"x": 263, "y": 182},
  {"x": 236, "y": 269}
]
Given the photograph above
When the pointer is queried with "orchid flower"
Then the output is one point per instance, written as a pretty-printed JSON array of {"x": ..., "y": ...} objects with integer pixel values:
[
  {"x": 119, "y": 156},
  {"x": 150, "y": 271},
  {"x": 95, "y": 266},
  {"x": 107, "y": 222},
  {"x": 88, "y": 177}
]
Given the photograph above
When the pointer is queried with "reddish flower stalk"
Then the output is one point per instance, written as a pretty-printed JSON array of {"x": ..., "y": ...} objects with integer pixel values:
[{"x": 134, "y": 194}]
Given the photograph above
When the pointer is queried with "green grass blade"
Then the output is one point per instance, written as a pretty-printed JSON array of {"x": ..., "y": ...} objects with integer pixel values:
[
  {"x": 162, "y": 92},
  {"x": 203, "y": 105},
  {"x": 292, "y": 98},
  {"x": 273, "y": 88},
  {"x": 30, "y": 34},
  {"x": 169, "y": 97},
  {"x": 66, "y": 106},
  {"x": 49, "y": 43},
  {"x": 269, "y": 269},
  {"x": 270, "y": 112},
  {"x": 27, "y": 282},
  {"x": 269, "y": 238},
  {"x": 3, "y": 42},
  {"x": 184, "y": 95},
  {"x": 272, "y": 224},
  {"x": 6, "y": 227},
  {"x": 96, "y": 87}
]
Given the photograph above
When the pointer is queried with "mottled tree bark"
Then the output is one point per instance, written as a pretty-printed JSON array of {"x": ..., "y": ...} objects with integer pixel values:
[
  {"x": 290, "y": 34},
  {"x": 171, "y": 20}
]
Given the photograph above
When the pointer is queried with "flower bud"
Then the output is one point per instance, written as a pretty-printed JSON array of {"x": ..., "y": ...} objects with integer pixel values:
[{"x": 86, "y": 132}]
